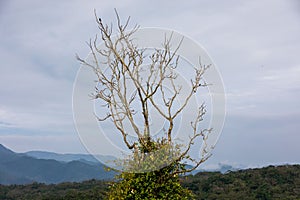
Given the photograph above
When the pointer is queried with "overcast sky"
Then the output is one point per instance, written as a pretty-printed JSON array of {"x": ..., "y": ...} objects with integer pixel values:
[{"x": 255, "y": 44}]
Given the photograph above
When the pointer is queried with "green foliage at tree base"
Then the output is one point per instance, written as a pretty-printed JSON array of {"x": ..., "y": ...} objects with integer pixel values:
[{"x": 160, "y": 184}]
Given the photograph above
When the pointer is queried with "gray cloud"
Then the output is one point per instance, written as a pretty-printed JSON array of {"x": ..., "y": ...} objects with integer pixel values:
[{"x": 254, "y": 44}]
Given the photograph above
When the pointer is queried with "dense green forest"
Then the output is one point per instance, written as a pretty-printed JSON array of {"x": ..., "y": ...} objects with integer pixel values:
[{"x": 281, "y": 182}]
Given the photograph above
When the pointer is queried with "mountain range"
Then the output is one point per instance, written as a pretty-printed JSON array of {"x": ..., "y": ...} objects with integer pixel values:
[
  {"x": 69, "y": 157},
  {"x": 45, "y": 167},
  {"x": 48, "y": 167}
]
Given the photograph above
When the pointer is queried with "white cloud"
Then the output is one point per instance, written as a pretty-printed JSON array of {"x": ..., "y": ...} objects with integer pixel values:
[
  {"x": 55, "y": 122},
  {"x": 24, "y": 143}
]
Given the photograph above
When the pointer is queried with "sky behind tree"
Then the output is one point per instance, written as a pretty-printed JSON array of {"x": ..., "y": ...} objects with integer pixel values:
[{"x": 255, "y": 45}]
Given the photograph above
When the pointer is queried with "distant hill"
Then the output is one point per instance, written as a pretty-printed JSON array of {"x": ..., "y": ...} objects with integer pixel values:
[
  {"x": 20, "y": 168},
  {"x": 69, "y": 157},
  {"x": 221, "y": 167},
  {"x": 6, "y": 154},
  {"x": 48, "y": 167}
]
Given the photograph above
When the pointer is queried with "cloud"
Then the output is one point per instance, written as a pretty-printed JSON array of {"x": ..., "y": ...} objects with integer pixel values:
[
  {"x": 33, "y": 120},
  {"x": 24, "y": 143},
  {"x": 31, "y": 98},
  {"x": 254, "y": 44}
]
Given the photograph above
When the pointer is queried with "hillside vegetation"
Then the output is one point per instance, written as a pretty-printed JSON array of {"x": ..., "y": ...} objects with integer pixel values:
[{"x": 282, "y": 182}]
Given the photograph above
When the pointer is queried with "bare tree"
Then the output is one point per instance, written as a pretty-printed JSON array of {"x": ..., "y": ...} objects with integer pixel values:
[{"x": 125, "y": 63}]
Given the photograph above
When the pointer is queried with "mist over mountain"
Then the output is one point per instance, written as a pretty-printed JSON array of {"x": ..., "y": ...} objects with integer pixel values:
[
  {"x": 70, "y": 157},
  {"x": 18, "y": 168}
]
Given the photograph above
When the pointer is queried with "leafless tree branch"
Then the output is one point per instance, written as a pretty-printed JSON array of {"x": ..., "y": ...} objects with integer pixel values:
[{"x": 124, "y": 61}]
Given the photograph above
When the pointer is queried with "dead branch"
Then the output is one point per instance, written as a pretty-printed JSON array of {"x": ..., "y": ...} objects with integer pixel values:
[{"x": 121, "y": 65}]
